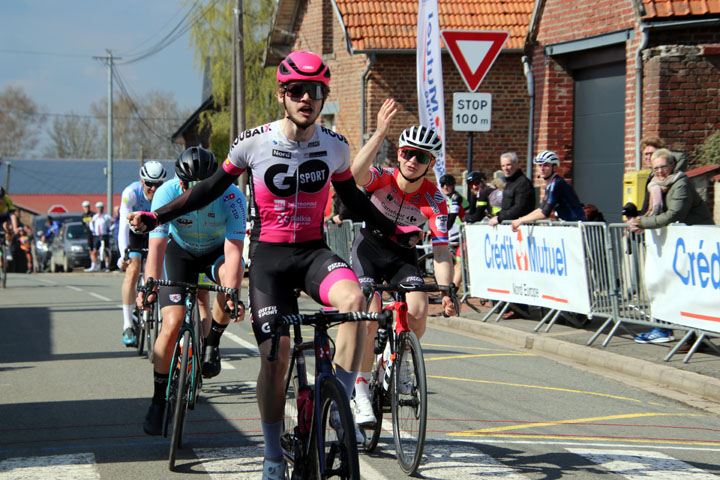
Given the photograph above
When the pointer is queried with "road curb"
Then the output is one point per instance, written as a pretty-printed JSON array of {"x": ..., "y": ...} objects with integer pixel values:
[{"x": 681, "y": 380}]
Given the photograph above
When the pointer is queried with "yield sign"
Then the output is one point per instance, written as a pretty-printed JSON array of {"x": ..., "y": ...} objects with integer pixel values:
[{"x": 474, "y": 52}]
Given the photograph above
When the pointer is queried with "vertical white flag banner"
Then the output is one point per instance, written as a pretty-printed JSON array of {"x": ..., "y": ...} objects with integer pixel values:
[{"x": 431, "y": 102}]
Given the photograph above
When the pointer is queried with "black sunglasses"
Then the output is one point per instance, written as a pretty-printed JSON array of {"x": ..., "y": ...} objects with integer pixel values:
[
  {"x": 153, "y": 184},
  {"x": 422, "y": 157},
  {"x": 298, "y": 90}
]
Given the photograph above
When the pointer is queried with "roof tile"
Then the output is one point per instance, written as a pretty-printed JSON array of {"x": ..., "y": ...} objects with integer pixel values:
[
  {"x": 680, "y": 8},
  {"x": 392, "y": 25}
]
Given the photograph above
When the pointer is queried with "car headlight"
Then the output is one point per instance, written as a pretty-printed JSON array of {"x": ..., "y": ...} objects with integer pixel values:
[{"x": 76, "y": 248}]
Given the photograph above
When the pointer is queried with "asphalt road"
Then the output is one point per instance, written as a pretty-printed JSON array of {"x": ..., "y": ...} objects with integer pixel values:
[{"x": 73, "y": 398}]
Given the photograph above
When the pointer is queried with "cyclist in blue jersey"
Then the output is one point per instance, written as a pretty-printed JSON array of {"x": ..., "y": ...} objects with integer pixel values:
[
  {"x": 560, "y": 198},
  {"x": 209, "y": 241},
  {"x": 136, "y": 196}
]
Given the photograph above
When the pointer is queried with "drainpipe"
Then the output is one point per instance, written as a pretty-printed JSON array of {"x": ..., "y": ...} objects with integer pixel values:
[
  {"x": 362, "y": 98},
  {"x": 531, "y": 120},
  {"x": 639, "y": 94}
]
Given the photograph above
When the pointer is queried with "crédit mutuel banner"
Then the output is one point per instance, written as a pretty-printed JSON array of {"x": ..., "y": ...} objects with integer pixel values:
[
  {"x": 537, "y": 265},
  {"x": 682, "y": 275},
  {"x": 428, "y": 57}
]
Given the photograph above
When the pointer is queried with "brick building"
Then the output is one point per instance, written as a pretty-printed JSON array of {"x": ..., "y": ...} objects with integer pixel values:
[
  {"x": 370, "y": 49},
  {"x": 610, "y": 72}
]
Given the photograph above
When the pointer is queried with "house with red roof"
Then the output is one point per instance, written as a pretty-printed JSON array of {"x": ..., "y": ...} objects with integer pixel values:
[
  {"x": 370, "y": 49},
  {"x": 608, "y": 73}
]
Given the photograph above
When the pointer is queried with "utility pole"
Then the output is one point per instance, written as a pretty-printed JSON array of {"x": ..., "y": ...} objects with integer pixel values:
[
  {"x": 237, "y": 95},
  {"x": 7, "y": 176},
  {"x": 109, "y": 62}
]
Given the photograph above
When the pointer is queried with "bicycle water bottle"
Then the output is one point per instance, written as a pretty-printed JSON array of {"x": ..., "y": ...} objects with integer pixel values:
[{"x": 305, "y": 410}]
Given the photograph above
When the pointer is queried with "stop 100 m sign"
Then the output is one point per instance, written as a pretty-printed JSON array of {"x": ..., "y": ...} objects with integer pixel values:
[{"x": 472, "y": 112}]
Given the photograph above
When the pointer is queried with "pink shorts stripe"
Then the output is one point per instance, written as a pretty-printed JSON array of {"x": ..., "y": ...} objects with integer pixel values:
[{"x": 334, "y": 277}]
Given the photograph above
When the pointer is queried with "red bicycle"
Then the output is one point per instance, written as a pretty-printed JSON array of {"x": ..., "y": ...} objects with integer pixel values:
[{"x": 398, "y": 383}]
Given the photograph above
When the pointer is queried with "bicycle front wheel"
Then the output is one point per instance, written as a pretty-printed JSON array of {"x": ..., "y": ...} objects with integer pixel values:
[
  {"x": 180, "y": 379},
  {"x": 152, "y": 331},
  {"x": 409, "y": 403},
  {"x": 336, "y": 454},
  {"x": 140, "y": 331}
]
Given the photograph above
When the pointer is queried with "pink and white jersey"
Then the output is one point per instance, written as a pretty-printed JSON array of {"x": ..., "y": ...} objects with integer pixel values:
[
  {"x": 290, "y": 180},
  {"x": 427, "y": 204}
]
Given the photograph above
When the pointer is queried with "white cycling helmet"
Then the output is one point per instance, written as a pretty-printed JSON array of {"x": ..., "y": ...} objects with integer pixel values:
[
  {"x": 99, "y": 205},
  {"x": 547, "y": 157},
  {"x": 86, "y": 203},
  {"x": 153, "y": 171},
  {"x": 422, "y": 138}
]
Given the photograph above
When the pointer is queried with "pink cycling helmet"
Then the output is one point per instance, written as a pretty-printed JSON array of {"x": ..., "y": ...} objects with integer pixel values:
[{"x": 303, "y": 66}]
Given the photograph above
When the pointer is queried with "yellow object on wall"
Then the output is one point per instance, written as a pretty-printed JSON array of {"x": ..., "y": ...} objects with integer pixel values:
[{"x": 634, "y": 187}]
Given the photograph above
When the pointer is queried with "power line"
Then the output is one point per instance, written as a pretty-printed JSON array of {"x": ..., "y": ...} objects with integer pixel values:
[
  {"x": 74, "y": 115},
  {"x": 133, "y": 106},
  {"x": 52, "y": 54}
]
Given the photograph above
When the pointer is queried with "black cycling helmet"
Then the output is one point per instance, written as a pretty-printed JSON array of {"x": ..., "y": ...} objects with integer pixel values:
[
  {"x": 447, "y": 179},
  {"x": 475, "y": 177},
  {"x": 195, "y": 163}
]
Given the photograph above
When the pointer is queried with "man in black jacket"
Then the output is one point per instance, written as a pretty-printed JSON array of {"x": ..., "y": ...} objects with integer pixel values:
[{"x": 519, "y": 194}]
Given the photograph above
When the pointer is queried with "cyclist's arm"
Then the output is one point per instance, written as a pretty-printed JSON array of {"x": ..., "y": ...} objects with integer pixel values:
[
  {"x": 124, "y": 228},
  {"x": 156, "y": 255},
  {"x": 442, "y": 262},
  {"x": 233, "y": 274},
  {"x": 363, "y": 161},
  {"x": 356, "y": 201},
  {"x": 196, "y": 197}
]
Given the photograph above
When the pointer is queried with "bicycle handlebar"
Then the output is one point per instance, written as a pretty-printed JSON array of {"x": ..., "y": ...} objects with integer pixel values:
[
  {"x": 403, "y": 288},
  {"x": 325, "y": 318},
  {"x": 151, "y": 283}
]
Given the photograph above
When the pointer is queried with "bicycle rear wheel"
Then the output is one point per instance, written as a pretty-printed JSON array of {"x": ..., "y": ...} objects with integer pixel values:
[
  {"x": 181, "y": 377},
  {"x": 336, "y": 456},
  {"x": 409, "y": 403}
]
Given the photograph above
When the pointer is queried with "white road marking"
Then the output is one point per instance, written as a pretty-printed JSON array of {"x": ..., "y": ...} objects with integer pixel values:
[
  {"x": 642, "y": 465},
  {"x": 241, "y": 342},
  {"x": 98, "y": 296},
  {"x": 72, "y": 287},
  {"x": 79, "y": 466},
  {"x": 240, "y": 463}
]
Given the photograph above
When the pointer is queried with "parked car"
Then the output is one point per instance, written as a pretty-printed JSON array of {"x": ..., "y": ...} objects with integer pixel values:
[
  {"x": 40, "y": 249},
  {"x": 70, "y": 249}
]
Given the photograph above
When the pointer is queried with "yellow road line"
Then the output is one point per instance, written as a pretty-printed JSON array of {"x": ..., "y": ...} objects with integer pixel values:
[
  {"x": 573, "y": 421},
  {"x": 597, "y": 439},
  {"x": 459, "y": 347},
  {"x": 453, "y": 357},
  {"x": 540, "y": 387}
]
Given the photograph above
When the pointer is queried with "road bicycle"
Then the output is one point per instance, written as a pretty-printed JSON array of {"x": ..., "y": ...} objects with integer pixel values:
[
  {"x": 320, "y": 441},
  {"x": 146, "y": 323},
  {"x": 185, "y": 378},
  {"x": 398, "y": 384}
]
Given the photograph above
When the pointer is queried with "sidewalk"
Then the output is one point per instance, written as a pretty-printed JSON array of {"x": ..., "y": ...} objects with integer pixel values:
[{"x": 699, "y": 377}]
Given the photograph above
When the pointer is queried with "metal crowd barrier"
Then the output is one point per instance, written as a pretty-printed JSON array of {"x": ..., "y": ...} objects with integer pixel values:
[{"x": 340, "y": 238}]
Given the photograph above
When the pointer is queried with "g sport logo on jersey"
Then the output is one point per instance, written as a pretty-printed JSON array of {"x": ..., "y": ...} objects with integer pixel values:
[{"x": 310, "y": 177}]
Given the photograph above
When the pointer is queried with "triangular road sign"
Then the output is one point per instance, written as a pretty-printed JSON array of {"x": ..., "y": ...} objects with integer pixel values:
[{"x": 474, "y": 52}]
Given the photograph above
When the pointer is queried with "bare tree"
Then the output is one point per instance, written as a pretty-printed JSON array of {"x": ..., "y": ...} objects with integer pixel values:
[
  {"x": 20, "y": 122},
  {"x": 74, "y": 136}
]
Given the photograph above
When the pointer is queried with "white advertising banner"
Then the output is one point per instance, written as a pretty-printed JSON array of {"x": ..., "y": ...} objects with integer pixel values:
[
  {"x": 431, "y": 101},
  {"x": 682, "y": 275},
  {"x": 537, "y": 265}
]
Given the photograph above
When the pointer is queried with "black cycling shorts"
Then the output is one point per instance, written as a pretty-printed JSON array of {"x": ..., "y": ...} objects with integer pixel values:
[
  {"x": 278, "y": 269},
  {"x": 98, "y": 239},
  {"x": 183, "y": 266},
  {"x": 374, "y": 261}
]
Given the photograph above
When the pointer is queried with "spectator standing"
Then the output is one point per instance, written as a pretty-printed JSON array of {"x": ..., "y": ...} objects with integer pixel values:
[
  {"x": 560, "y": 197},
  {"x": 478, "y": 197},
  {"x": 518, "y": 195},
  {"x": 672, "y": 198},
  {"x": 24, "y": 239},
  {"x": 51, "y": 229},
  {"x": 87, "y": 216},
  {"x": 100, "y": 226}
]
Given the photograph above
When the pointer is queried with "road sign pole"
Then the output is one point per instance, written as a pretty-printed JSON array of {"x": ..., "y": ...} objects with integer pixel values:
[{"x": 470, "y": 145}]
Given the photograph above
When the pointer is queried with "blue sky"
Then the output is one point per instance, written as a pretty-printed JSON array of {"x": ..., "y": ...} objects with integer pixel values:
[{"x": 75, "y": 31}]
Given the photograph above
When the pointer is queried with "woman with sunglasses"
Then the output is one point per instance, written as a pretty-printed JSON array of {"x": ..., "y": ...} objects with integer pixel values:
[{"x": 407, "y": 198}]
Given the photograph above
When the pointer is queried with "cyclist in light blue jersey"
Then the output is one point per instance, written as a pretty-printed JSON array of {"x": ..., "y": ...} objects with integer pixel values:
[{"x": 209, "y": 241}]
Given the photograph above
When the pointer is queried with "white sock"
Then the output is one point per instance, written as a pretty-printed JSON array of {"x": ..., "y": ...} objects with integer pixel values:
[
  {"x": 127, "y": 317},
  {"x": 362, "y": 384}
]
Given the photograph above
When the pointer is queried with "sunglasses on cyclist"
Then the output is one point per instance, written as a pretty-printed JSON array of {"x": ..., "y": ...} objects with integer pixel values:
[
  {"x": 421, "y": 156},
  {"x": 298, "y": 90},
  {"x": 153, "y": 184}
]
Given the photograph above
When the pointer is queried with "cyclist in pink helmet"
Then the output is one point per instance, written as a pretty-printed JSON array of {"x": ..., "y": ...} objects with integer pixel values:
[{"x": 291, "y": 164}]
